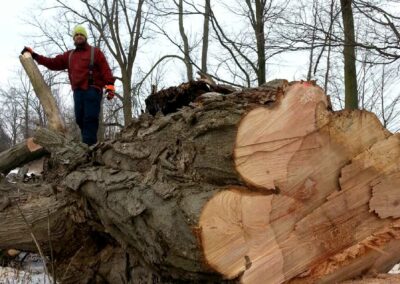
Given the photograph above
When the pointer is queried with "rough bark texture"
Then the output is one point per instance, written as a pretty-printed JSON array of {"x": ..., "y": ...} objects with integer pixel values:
[
  {"x": 149, "y": 186},
  {"x": 30, "y": 208},
  {"x": 167, "y": 200}
]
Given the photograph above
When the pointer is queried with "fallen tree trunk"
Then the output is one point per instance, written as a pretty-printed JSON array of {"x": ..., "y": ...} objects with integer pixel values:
[
  {"x": 29, "y": 210},
  {"x": 20, "y": 154},
  {"x": 28, "y": 151},
  {"x": 266, "y": 186}
]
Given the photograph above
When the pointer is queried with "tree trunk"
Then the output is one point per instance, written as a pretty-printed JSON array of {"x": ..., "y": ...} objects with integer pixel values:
[
  {"x": 20, "y": 154},
  {"x": 21, "y": 216},
  {"x": 127, "y": 98},
  {"x": 43, "y": 92},
  {"x": 350, "y": 72},
  {"x": 186, "y": 48},
  {"x": 311, "y": 63},
  {"x": 264, "y": 185},
  {"x": 206, "y": 32},
  {"x": 260, "y": 37}
]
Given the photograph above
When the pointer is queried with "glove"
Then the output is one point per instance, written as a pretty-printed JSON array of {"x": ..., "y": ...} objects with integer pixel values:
[
  {"x": 30, "y": 50},
  {"x": 27, "y": 49},
  {"x": 110, "y": 91}
]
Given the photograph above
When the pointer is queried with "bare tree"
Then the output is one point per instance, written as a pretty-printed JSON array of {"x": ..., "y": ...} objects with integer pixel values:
[
  {"x": 384, "y": 20},
  {"x": 244, "y": 60},
  {"x": 11, "y": 119},
  {"x": 377, "y": 89}
]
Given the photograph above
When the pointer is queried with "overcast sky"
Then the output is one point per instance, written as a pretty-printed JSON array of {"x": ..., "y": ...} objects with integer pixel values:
[{"x": 12, "y": 30}]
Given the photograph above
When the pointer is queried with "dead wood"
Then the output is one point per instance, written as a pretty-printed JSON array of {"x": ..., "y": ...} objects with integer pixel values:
[
  {"x": 28, "y": 151},
  {"x": 264, "y": 185},
  {"x": 214, "y": 87},
  {"x": 43, "y": 92},
  {"x": 171, "y": 99},
  {"x": 20, "y": 154},
  {"x": 29, "y": 207}
]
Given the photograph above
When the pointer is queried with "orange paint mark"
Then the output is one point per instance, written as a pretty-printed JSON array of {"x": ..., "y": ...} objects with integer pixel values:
[{"x": 32, "y": 146}]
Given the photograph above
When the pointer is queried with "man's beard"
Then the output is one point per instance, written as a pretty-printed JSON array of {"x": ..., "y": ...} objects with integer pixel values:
[{"x": 80, "y": 45}]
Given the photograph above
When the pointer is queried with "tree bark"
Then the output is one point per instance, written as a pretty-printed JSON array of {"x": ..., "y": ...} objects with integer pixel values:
[
  {"x": 193, "y": 166},
  {"x": 21, "y": 215},
  {"x": 264, "y": 185}
]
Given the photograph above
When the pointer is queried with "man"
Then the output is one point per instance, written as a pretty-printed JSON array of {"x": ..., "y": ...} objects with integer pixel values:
[{"x": 88, "y": 73}]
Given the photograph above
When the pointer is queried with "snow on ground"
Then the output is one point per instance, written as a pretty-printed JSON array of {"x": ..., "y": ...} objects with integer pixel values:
[
  {"x": 31, "y": 272},
  {"x": 13, "y": 276},
  {"x": 395, "y": 269}
]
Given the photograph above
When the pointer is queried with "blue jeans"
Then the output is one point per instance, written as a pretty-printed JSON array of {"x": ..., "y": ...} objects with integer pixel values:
[{"x": 87, "y": 110}]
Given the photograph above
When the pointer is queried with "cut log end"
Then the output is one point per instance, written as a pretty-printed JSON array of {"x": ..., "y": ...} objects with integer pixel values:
[
  {"x": 264, "y": 147},
  {"x": 237, "y": 239},
  {"x": 26, "y": 55},
  {"x": 385, "y": 199},
  {"x": 324, "y": 165},
  {"x": 32, "y": 146}
]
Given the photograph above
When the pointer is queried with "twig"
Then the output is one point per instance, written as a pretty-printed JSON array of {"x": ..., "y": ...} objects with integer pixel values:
[
  {"x": 69, "y": 264},
  {"x": 51, "y": 248},
  {"x": 35, "y": 241}
]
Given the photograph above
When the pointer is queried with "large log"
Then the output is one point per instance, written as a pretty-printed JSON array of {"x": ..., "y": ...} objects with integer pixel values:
[
  {"x": 295, "y": 148},
  {"x": 266, "y": 185},
  {"x": 27, "y": 150},
  {"x": 32, "y": 216}
]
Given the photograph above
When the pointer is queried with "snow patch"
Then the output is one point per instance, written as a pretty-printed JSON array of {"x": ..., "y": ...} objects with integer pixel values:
[{"x": 10, "y": 275}]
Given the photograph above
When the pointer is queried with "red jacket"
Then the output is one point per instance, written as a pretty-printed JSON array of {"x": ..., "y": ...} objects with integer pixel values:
[{"x": 78, "y": 72}]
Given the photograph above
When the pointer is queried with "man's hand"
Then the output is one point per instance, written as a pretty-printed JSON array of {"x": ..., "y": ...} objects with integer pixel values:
[
  {"x": 30, "y": 50},
  {"x": 27, "y": 49},
  {"x": 110, "y": 91}
]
